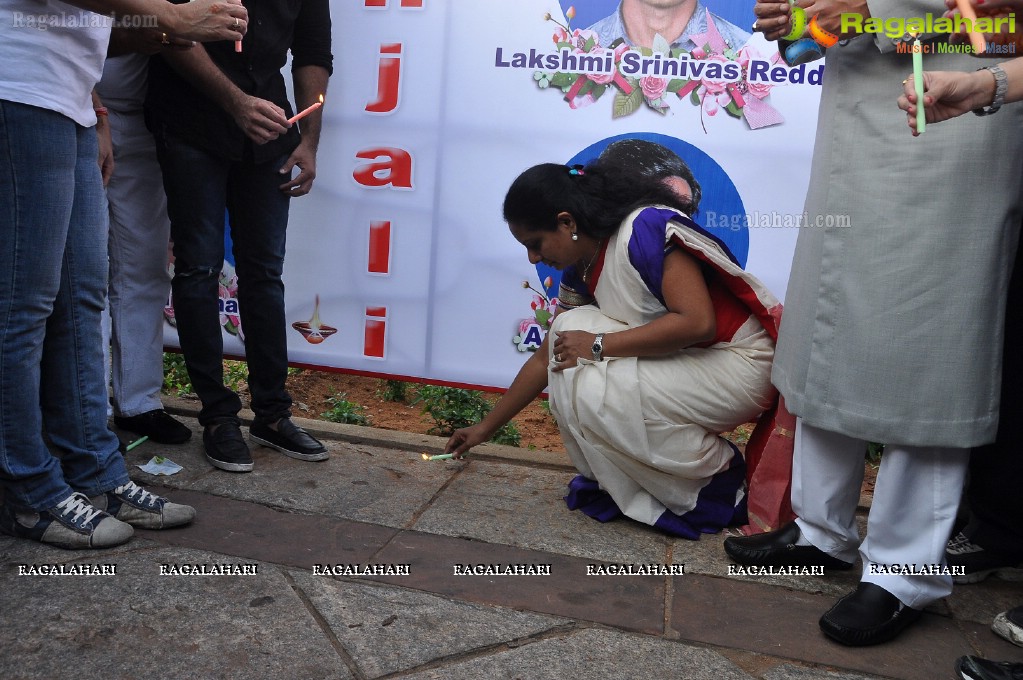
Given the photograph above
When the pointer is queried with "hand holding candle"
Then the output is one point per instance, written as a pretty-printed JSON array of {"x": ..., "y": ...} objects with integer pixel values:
[
  {"x": 441, "y": 456},
  {"x": 305, "y": 112},
  {"x": 918, "y": 84}
]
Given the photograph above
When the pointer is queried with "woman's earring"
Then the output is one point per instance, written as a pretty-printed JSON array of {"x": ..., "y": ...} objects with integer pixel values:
[{"x": 575, "y": 236}]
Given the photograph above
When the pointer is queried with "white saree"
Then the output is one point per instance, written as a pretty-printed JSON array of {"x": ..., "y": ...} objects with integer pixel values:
[{"x": 645, "y": 431}]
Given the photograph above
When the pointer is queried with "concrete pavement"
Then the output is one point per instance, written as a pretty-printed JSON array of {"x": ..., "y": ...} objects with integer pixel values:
[{"x": 296, "y": 540}]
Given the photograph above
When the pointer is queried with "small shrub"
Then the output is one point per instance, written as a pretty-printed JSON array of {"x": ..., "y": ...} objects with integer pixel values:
[
  {"x": 874, "y": 452},
  {"x": 452, "y": 408},
  {"x": 394, "y": 390},
  {"x": 236, "y": 374},
  {"x": 344, "y": 411},
  {"x": 175, "y": 375}
]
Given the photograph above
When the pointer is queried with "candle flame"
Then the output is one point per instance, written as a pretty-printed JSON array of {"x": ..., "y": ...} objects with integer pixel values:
[
  {"x": 426, "y": 457},
  {"x": 321, "y": 97}
]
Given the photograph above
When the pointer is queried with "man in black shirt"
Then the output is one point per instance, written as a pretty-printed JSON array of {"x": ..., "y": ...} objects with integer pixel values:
[{"x": 220, "y": 118}]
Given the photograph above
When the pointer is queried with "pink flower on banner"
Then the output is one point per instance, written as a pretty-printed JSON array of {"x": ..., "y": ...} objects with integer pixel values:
[
  {"x": 228, "y": 293},
  {"x": 653, "y": 87},
  {"x": 755, "y": 89},
  {"x": 601, "y": 78},
  {"x": 711, "y": 38},
  {"x": 580, "y": 36}
]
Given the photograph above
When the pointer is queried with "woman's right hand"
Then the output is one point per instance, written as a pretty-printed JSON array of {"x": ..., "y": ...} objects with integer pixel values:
[{"x": 465, "y": 438}]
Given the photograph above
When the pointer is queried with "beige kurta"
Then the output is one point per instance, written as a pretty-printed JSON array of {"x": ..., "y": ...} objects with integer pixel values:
[{"x": 893, "y": 324}]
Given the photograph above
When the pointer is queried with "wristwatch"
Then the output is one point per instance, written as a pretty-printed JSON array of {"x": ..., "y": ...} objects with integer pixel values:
[
  {"x": 1001, "y": 87},
  {"x": 598, "y": 347}
]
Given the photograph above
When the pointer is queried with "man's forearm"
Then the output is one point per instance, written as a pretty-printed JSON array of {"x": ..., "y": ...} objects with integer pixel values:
[{"x": 310, "y": 82}]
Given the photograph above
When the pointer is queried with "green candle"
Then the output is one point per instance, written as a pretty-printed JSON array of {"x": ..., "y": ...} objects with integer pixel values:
[
  {"x": 135, "y": 443},
  {"x": 918, "y": 84}
]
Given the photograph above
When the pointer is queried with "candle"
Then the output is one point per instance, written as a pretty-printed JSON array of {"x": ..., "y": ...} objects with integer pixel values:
[
  {"x": 439, "y": 456},
  {"x": 918, "y": 84},
  {"x": 237, "y": 45},
  {"x": 135, "y": 443},
  {"x": 976, "y": 39},
  {"x": 302, "y": 114}
]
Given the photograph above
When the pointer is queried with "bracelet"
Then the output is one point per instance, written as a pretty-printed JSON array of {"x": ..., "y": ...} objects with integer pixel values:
[
  {"x": 102, "y": 111},
  {"x": 1001, "y": 87}
]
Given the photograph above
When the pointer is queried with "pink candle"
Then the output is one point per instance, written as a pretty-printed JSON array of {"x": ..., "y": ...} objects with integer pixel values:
[{"x": 302, "y": 114}]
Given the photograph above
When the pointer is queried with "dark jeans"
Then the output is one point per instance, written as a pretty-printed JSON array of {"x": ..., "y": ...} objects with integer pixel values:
[
  {"x": 199, "y": 187},
  {"x": 996, "y": 470}
]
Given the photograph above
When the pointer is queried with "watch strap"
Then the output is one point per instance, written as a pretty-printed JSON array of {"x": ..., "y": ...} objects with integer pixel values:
[{"x": 1001, "y": 87}]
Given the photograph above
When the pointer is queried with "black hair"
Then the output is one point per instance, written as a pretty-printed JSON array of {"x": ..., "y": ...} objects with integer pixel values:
[
  {"x": 598, "y": 196},
  {"x": 652, "y": 160}
]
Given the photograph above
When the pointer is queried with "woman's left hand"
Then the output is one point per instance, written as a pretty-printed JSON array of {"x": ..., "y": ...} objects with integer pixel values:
[{"x": 569, "y": 346}]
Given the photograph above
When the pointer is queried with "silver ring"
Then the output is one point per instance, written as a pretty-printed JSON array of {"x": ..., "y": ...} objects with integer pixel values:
[
  {"x": 557, "y": 357},
  {"x": 755, "y": 27},
  {"x": 163, "y": 39},
  {"x": 237, "y": 22}
]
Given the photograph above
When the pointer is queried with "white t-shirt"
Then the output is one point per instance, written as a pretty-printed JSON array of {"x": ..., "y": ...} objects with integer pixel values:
[{"x": 51, "y": 56}]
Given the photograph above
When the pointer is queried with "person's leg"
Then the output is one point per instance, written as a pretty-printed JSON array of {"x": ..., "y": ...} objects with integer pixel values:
[
  {"x": 259, "y": 221},
  {"x": 827, "y": 473},
  {"x": 38, "y": 152},
  {"x": 196, "y": 183},
  {"x": 911, "y": 516},
  {"x": 139, "y": 283},
  {"x": 72, "y": 393}
]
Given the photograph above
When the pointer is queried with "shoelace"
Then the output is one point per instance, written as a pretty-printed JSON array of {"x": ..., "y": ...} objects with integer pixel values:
[
  {"x": 960, "y": 544},
  {"x": 131, "y": 488},
  {"x": 79, "y": 505}
]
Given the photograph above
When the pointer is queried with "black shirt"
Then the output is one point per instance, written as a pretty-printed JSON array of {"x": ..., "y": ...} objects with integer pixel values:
[{"x": 175, "y": 107}]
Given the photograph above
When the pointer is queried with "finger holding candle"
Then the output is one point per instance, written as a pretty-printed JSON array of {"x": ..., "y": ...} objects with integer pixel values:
[
  {"x": 305, "y": 112},
  {"x": 442, "y": 456}
]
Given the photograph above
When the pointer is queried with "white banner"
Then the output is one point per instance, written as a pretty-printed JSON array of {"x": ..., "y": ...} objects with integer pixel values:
[{"x": 434, "y": 108}]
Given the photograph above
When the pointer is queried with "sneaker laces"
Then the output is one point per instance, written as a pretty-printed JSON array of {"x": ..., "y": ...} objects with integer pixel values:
[
  {"x": 79, "y": 505},
  {"x": 131, "y": 488},
  {"x": 961, "y": 545}
]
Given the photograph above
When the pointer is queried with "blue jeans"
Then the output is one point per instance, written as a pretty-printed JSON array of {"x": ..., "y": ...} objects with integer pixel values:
[
  {"x": 53, "y": 278},
  {"x": 199, "y": 187}
]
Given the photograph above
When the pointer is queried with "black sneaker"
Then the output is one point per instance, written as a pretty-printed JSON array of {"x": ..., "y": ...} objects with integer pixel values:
[
  {"x": 140, "y": 508},
  {"x": 976, "y": 563},
  {"x": 976, "y": 668},
  {"x": 73, "y": 524},
  {"x": 158, "y": 425},
  {"x": 225, "y": 447},
  {"x": 289, "y": 439}
]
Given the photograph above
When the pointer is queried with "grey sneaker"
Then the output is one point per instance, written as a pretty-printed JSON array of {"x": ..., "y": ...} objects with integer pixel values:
[
  {"x": 73, "y": 523},
  {"x": 1010, "y": 625},
  {"x": 140, "y": 508}
]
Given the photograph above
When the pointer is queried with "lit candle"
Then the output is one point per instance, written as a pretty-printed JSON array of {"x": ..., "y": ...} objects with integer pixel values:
[
  {"x": 976, "y": 39},
  {"x": 439, "y": 456},
  {"x": 918, "y": 84},
  {"x": 237, "y": 45},
  {"x": 302, "y": 114}
]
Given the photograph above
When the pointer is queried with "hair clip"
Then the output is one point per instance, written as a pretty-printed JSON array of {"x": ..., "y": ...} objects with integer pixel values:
[{"x": 576, "y": 170}]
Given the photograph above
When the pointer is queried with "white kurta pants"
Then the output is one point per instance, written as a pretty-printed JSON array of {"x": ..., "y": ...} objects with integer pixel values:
[{"x": 915, "y": 501}]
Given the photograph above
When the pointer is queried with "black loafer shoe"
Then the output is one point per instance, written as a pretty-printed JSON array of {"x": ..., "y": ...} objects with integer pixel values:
[
  {"x": 867, "y": 616},
  {"x": 158, "y": 425},
  {"x": 225, "y": 447},
  {"x": 289, "y": 439},
  {"x": 778, "y": 549},
  {"x": 975, "y": 668}
]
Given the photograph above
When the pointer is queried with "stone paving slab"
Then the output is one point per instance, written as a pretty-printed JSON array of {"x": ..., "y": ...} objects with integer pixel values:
[
  {"x": 593, "y": 653},
  {"x": 138, "y": 624},
  {"x": 387, "y": 630},
  {"x": 524, "y": 507},
  {"x": 784, "y": 623}
]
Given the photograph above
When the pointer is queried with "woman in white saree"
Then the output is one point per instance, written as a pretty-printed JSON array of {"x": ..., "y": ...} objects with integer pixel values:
[{"x": 659, "y": 345}]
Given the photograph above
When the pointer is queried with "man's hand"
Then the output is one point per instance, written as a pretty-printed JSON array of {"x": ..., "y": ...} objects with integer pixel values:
[
  {"x": 106, "y": 149},
  {"x": 261, "y": 120},
  {"x": 304, "y": 156},
  {"x": 829, "y": 13},
  {"x": 208, "y": 20}
]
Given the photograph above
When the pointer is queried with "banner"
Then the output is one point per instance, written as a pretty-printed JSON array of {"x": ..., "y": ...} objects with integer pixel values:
[{"x": 398, "y": 261}]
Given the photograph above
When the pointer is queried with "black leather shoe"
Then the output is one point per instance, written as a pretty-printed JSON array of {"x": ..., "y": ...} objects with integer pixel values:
[
  {"x": 975, "y": 668},
  {"x": 778, "y": 549},
  {"x": 289, "y": 439},
  {"x": 157, "y": 424},
  {"x": 225, "y": 447},
  {"x": 867, "y": 616}
]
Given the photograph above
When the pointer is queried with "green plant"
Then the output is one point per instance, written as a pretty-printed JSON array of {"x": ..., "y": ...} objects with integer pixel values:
[
  {"x": 344, "y": 411},
  {"x": 175, "y": 376},
  {"x": 236, "y": 374},
  {"x": 453, "y": 407},
  {"x": 874, "y": 452},
  {"x": 394, "y": 390}
]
